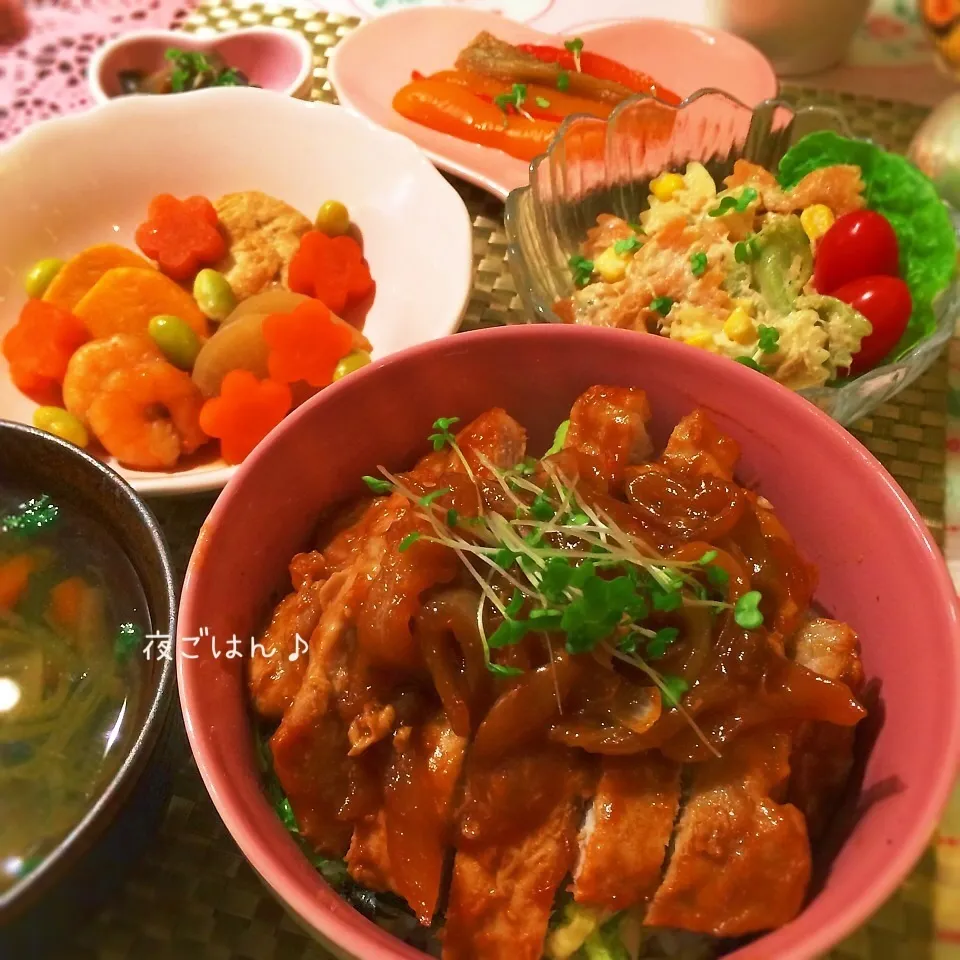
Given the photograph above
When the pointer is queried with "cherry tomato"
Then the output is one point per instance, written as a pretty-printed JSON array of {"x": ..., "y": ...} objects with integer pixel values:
[
  {"x": 886, "y": 303},
  {"x": 859, "y": 244}
]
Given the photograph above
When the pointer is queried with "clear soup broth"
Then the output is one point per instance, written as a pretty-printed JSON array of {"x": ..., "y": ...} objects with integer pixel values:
[{"x": 73, "y": 622}]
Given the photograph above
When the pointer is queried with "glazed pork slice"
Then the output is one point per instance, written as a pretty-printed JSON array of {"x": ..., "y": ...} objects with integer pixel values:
[
  {"x": 517, "y": 841},
  {"x": 627, "y": 831},
  {"x": 697, "y": 447},
  {"x": 278, "y": 664},
  {"x": 741, "y": 861},
  {"x": 402, "y": 847},
  {"x": 822, "y": 755},
  {"x": 608, "y": 430},
  {"x": 310, "y": 747}
]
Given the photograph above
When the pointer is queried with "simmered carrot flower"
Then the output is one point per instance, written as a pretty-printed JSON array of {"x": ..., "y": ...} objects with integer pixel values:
[
  {"x": 332, "y": 269},
  {"x": 244, "y": 413},
  {"x": 181, "y": 235},
  {"x": 39, "y": 346},
  {"x": 305, "y": 344}
]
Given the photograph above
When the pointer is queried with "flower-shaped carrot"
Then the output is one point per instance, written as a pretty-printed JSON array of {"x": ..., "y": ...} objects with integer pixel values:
[
  {"x": 39, "y": 346},
  {"x": 244, "y": 413},
  {"x": 305, "y": 344},
  {"x": 181, "y": 235},
  {"x": 332, "y": 269}
]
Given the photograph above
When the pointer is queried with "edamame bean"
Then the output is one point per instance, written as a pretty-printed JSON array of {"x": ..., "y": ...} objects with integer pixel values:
[
  {"x": 213, "y": 294},
  {"x": 333, "y": 219},
  {"x": 176, "y": 340},
  {"x": 61, "y": 423},
  {"x": 40, "y": 275},
  {"x": 352, "y": 361}
]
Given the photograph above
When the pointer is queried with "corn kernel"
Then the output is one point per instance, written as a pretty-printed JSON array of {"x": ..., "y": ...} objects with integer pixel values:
[
  {"x": 816, "y": 220},
  {"x": 703, "y": 339},
  {"x": 611, "y": 265},
  {"x": 739, "y": 327},
  {"x": 666, "y": 185},
  {"x": 746, "y": 305}
]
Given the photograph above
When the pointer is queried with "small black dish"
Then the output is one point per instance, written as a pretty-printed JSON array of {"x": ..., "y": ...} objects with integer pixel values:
[{"x": 90, "y": 862}]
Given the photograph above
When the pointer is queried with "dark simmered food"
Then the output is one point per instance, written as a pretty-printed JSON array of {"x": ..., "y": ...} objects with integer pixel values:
[{"x": 574, "y": 706}]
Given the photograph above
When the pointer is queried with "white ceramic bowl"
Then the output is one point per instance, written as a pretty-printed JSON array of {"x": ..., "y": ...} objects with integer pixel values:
[{"x": 72, "y": 182}]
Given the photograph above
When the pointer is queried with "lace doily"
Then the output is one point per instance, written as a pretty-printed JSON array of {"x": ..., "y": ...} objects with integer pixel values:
[{"x": 45, "y": 74}]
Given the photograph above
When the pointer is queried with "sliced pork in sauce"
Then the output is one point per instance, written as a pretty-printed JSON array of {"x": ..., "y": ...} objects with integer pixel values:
[
  {"x": 627, "y": 831},
  {"x": 517, "y": 842},
  {"x": 741, "y": 859},
  {"x": 592, "y": 678}
]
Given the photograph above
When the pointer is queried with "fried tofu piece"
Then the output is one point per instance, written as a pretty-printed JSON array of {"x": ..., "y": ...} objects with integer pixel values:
[
  {"x": 822, "y": 755},
  {"x": 517, "y": 841},
  {"x": 741, "y": 860},
  {"x": 262, "y": 235},
  {"x": 626, "y": 832}
]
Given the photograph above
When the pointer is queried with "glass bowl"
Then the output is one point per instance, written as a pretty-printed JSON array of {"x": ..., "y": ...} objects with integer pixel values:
[{"x": 605, "y": 166}]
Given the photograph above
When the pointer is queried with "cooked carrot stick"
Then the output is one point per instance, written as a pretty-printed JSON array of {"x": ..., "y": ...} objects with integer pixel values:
[
  {"x": 66, "y": 601},
  {"x": 14, "y": 575}
]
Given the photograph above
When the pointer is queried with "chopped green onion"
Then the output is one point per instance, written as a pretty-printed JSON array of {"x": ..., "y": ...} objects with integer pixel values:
[
  {"x": 626, "y": 245},
  {"x": 661, "y": 305},
  {"x": 739, "y": 204},
  {"x": 698, "y": 264},
  {"x": 542, "y": 102},
  {"x": 31, "y": 517},
  {"x": 768, "y": 338},
  {"x": 582, "y": 269},
  {"x": 128, "y": 640}
]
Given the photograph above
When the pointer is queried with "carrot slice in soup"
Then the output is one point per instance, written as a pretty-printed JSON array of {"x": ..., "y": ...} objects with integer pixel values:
[{"x": 14, "y": 575}]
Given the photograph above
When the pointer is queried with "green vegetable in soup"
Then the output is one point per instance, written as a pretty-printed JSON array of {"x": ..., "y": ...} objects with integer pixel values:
[{"x": 908, "y": 199}]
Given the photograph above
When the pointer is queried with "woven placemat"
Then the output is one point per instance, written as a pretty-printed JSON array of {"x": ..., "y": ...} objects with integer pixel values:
[{"x": 193, "y": 897}]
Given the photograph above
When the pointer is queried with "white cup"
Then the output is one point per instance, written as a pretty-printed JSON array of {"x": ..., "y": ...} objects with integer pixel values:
[{"x": 799, "y": 36}]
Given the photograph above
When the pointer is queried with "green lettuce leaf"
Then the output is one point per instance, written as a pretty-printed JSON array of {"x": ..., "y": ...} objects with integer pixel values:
[{"x": 899, "y": 191}]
